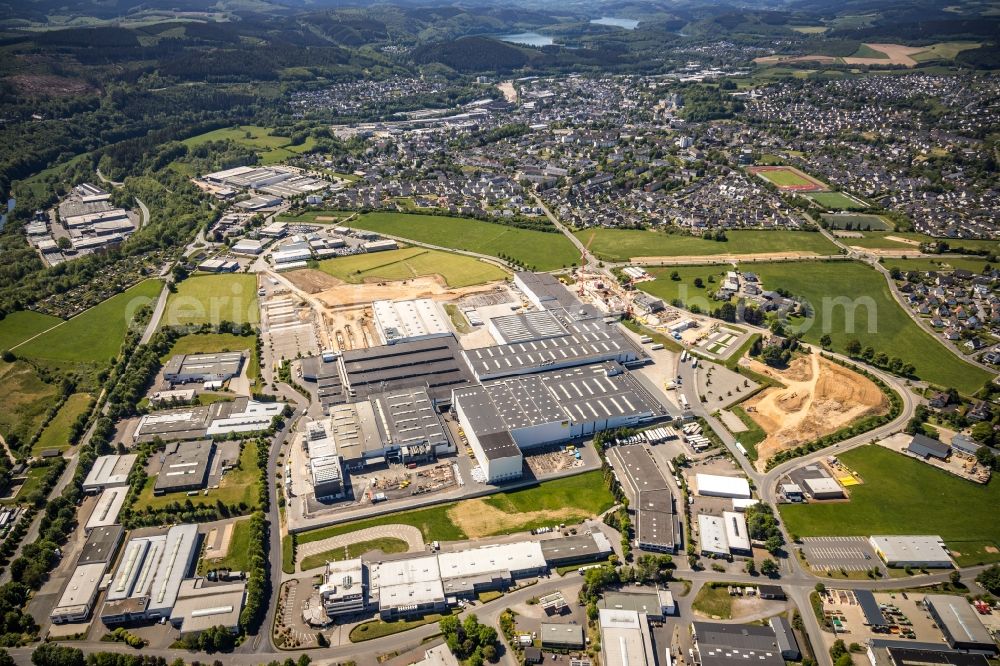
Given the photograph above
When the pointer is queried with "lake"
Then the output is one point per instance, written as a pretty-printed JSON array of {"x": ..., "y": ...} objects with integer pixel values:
[
  {"x": 628, "y": 24},
  {"x": 528, "y": 39}
]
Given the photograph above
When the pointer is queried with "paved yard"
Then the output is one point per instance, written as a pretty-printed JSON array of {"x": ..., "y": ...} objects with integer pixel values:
[
  {"x": 411, "y": 535},
  {"x": 835, "y": 553}
]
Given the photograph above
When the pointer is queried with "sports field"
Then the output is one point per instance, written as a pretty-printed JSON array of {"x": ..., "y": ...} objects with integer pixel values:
[
  {"x": 901, "y": 495},
  {"x": 568, "y": 500},
  {"x": 272, "y": 149},
  {"x": 211, "y": 299},
  {"x": 852, "y": 300},
  {"x": 455, "y": 269},
  {"x": 17, "y": 327},
  {"x": 623, "y": 244},
  {"x": 56, "y": 433},
  {"x": 540, "y": 250},
  {"x": 837, "y": 201},
  {"x": 856, "y": 222},
  {"x": 95, "y": 335},
  {"x": 789, "y": 179}
]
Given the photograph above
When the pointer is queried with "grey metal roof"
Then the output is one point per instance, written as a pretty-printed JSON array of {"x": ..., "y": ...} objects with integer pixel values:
[
  {"x": 102, "y": 544},
  {"x": 870, "y": 609},
  {"x": 725, "y": 644},
  {"x": 185, "y": 464},
  {"x": 410, "y": 418},
  {"x": 524, "y": 327},
  {"x": 958, "y": 621},
  {"x": 924, "y": 446}
]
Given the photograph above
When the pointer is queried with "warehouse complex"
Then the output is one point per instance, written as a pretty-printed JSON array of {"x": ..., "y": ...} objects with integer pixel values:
[
  {"x": 725, "y": 535},
  {"x": 241, "y": 415},
  {"x": 184, "y": 468},
  {"x": 419, "y": 584},
  {"x": 657, "y": 525},
  {"x": 960, "y": 623},
  {"x": 109, "y": 472},
  {"x": 185, "y": 368},
  {"x": 625, "y": 638},
  {"x": 405, "y": 321},
  {"x": 924, "y": 552}
]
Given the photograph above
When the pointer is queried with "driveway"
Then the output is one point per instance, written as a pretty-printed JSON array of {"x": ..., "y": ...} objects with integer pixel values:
[{"x": 411, "y": 535}]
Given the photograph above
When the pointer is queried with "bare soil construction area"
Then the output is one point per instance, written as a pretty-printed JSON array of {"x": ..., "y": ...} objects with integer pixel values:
[
  {"x": 819, "y": 398},
  {"x": 478, "y": 519},
  {"x": 337, "y": 293}
]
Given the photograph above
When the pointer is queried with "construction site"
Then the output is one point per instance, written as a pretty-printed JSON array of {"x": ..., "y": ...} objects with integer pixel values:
[{"x": 818, "y": 398}]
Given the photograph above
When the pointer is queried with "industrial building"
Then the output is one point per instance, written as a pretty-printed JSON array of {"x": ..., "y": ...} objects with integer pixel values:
[
  {"x": 327, "y": 476},
  {"x": 500, "y": 418},
  {"x": 925, "y": 447},
  {"x": 102, "y": 545},
  {"x": 109, "y": 505},
  {"x": 656, "y": 605},
  {"x": 109, "y": 472},
  {"x": 657, "y": 524},
  {"x": 409, "y": 320},
  {"x": 602, "y": 342},
  {"x": 785, "y": 638},
  {"x": 184, "y": 467},
  {"x": 525, "y": 327},
  {"x": 887, "y": 652},
  {"x": 711, "y": 485},
  {"x": 544, "y": 290},
  {"x": 724, "y": 644},
  {"x": 185, "y": 368},
  {"x": 960, "y": 623},
  {"x": 557, "y": 636},
  {"x": 241, "y": 415},
  {"x": 148, "y": 579},
  {"x": 201, "y": 605},
  {"x": 724, "y": 536},
  {"x": 344, "y": 586},
  {"x": 625, "y": 638},
  {"x": 78, "y": 597},
  {"x": 823, "y": 488},
  {"x": 576, "y": 549},
  {"x": 923, "y": 552}
]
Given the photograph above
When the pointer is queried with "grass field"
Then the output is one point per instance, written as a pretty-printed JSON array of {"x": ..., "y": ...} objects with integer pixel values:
[
  {"x": 239, "y": 485},
  {"x": 387, "y": 545},
  {"x": 455, "y": 269},
  {"x": 237, "y": 557},
  {"x": 271, "y": 149},
  {"x": 944, "y": 51},
  {"x": 26, "y": 400},
  {"x": 56, "y": 433},
  {"x": 713, "y": 601},
  {"x": 901, "y": 495},
  {"x": 211, "y": 299},
  {"x": 865, "y": 51},
  {"x": 874, "y": 239},
  {"x": 878, "y": 320},
  {"x": 542, "y": 250},
  {"x": 33, "y": 480},
  {"x": 623, "y": 244},
  {"x": 95, "y": 335},
  {"x": 373, "y": 629},
  {"x": 317, "y": 217},
  {"x": 837, "y": 201},
  {"x": 546, "y": 504},
  {"x": 945, "y": 264},
  {"x": 206, "y": 343},
  {"x": 17, "y": 327},
  {"x": 857, "y": 222},
  {"x": 754, "y": 434},
  {"x": 787, "y": 177},
  {"x": 684, "y": 289}
]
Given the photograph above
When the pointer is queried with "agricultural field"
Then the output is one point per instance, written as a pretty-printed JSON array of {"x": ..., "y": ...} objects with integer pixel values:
[
  {"x": 211, "y": 299},
  {"x": 871, "y": 315},
  {"x": 837, "y": 201},
  {"x": 56, "y": 433},
  {"x": 624, "y": 244},
  {"x": 26, "y": 400},
  {"x": 455, "y": 269},
  {"x": 318, "y": 217},
  {"x": 271, "y": 149},
  {"x": 901, "y": 495},
  {"x": 911, "y": 240},
  {"x": 539, "y": 250},
  {"x": 94, "y": 336},
  {"x": 17, "y": 327},
  {"x": 944, "y": 51},
  {"x": 566, "y": 500},
  {"x": 856, "y": 222},
  {"x": 684, "y": 289},
  {"x": 945, "y": 264},
  {"x": 788, "y": 178}
]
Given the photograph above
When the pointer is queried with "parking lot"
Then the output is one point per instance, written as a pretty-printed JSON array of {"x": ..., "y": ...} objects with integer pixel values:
[
  {"x": 841, "y": 553},
  {"x": 905, "y": 611},
  {"x": 290, "y": 328}
]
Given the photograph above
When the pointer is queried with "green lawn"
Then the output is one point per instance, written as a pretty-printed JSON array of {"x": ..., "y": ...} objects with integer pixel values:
[
  {"x": 542, "y": 250},
  {"x": 623, "y": 244},
  {"x": 95, "y": 335},
  {"x": 944, "y": 264},
  {"x": 684, "y": 289},
  {"x": 944, "y": 51},
  {"x": 17, "y": 327},
  {"x": 433, "y": 523},
  {"x": 901, "y": 495},
  {"x": 56, "y": 433},
  {"x": 34, "y": 477},
  {"x": 236, "y": 558},
  {"x": 211, "y": 299},
  {"x": 410, "y": 262},
  {"x": 714, "y": 602},
  {"x": 865, "y": 51},
  {"x": 373, "y": 629},
  {"x": 837, "y": 201},
  {"x": 458, "y": 319},
  {"x": 387, "y": 545},
  {"x": 754, "y": 434},
  {"x": 239, "y": 485},
  {"x": 313, "y": 217},
  {"x": 878, "y": 320},
  {"x": 786, "y": 178}
]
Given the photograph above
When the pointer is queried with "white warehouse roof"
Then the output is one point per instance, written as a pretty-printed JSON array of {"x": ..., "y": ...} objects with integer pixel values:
[
  {"x": 513, "y": 557},
  {"x": 722, "y": 486},
  {"x": 109, "y": 470},
  {"x": 923, "y": 550},
  {"x": 398, "y": 321},
  {"x": 109, "y": 505}
]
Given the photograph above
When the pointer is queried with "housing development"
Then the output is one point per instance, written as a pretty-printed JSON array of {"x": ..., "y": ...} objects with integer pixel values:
[{"x": 445, "y": 335}]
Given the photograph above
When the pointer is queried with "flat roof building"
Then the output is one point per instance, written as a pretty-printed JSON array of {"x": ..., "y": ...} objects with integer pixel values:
[
  {"x": 558, "y": 636},
  {"x": 109, "y": 472},
  {"x": 434, "y": 364},
  {"x": 870, "y": 609},
  {"x": 78, "y": 597},
  {"x": 544, "y": 290},
  {"x": 656, "y": 605},
  {"x": 109, "y": 505},
  {"x": 729, "y": 644},
  {"x": 785, "y": 638},
  {"x": 712, "y": 535},
  {"x": 525, "y": 327},
  {"x": 737, "y": 535},
  {"x": 344, "y": 590},
  {"x": 576, "y": 548},
  {"x": 102, "y": 545},
  {"x": 327, "y": 476},
  {"x": 925, "y": 551},
  {"x": 907, "y": 654},
  {"x": 625, "y": 638},
  {"x": 711, "y": 485},
  {"x": 402, "y": 321},
  {"x": 823, "y": 487},
  {"x": 184, "y": 467},
  {"x": 657, "y": 523},
  {"x": 184, "y": 368},
  {"x": 201, "y": 605},
  {"x": 960, "y": 623}
]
